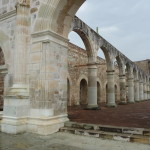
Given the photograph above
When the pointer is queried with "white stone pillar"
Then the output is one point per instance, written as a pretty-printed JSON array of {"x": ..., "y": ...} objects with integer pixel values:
[
  {"x": 110, "y": 89},
  {"x": 16, "y": 101},
  {"x": 123, "y": 89},
  {"x": 130, "y": 90},
  {"x": 136, "y": 91},
  {"x": 92, "y": 87},
  {"x": 141, "y": 91}
]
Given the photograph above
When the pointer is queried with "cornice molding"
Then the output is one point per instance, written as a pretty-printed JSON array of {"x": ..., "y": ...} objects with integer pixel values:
[{"x": 7, "y": 15}]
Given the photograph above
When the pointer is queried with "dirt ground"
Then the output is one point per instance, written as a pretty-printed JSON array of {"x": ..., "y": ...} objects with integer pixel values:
[
  {"x": 63, "y": 141},
  {"x": 130, "y": 115}
]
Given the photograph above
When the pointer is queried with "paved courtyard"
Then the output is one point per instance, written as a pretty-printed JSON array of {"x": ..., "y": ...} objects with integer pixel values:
[
  {"x": 63, "y": 141},
  {"x": 131, "y": 115}
]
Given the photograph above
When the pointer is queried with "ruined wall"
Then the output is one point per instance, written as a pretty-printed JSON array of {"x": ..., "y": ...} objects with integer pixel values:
[
  {"x": 77, "y": 60},
  {"x": 144, "y": 65}
]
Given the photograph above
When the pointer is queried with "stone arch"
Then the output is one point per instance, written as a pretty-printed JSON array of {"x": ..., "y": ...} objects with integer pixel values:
[
  {"x": 116, "y": 93},
  {"x": 68, "y": 92},
  {"x": 129, "y": 69},
  {"x": 2, "y": 59},
  {"x": 106, "y": 87},
  {"x": 82, "y": 77},
  {"x": 4, "y": 45},
  {"x": 83, "y": 92},
  {"x": 86, "y": 42},
  {"x": 98, "y": 92},
  {"x": 69, "y": 85},
  {"x": 109, "y": 59},
  {"x": 2, "y": 76},
  {"x": 56, "y": 15},
  {"x": 121, "y": 65}
]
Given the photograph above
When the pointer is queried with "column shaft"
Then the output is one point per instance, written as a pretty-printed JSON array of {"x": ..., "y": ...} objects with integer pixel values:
[
  {"x": 123, "y": 89},
  {"x": 145, "y": 91},
  {"x": 110, "y": 89},
  {"x": 131, "y": 90},
  {"x": 141, "y": 91},
  {"x": 136, "y": 91},
  {"x": 92, "y": 87}
]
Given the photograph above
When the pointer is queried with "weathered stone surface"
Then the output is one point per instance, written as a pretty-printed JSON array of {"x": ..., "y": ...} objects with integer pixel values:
[{"x": 35, "y": 50}]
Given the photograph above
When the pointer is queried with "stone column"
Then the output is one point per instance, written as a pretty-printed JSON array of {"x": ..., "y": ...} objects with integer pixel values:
[
  {"x": 92, "y": 87},
  {"x": 145, "y": 91},
  {"x": 130, "y": 90},
  {"x": 16, "y": 101},
  {"x": 141, "y": 91},
  {"x": 136, "y": 91},
  {"x": 110, "y": 89},
  {"x": 123, "y": 89}
]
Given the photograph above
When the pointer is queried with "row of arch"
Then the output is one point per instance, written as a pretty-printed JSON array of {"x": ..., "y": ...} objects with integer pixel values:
[
  {"x": 83, "y": 92},
  {"x": 137, "y": 81}
]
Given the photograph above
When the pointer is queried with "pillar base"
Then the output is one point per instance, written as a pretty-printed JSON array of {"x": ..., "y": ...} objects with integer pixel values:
[
  {"x": 137, "y": 101},
  {"x": 15, "y": 115},
  {"x": 92, "y": 107},
  {"x": 46, "y": 125},
  {"x": 13, "y": 125},
  {"x": 131, "y": 102},
  {"x": 113, "y": 105},
  {"x": 123, "y": 103}
]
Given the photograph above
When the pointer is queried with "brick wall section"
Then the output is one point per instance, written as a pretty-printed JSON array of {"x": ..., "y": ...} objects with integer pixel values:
[{"x": 77, "y": 57}]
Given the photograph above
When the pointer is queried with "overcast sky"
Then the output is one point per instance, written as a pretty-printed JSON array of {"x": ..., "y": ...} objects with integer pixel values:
[{"x": 124, "y": 23}]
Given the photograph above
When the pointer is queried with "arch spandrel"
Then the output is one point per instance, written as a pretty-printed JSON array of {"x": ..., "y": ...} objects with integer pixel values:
[{"x": 56, "y": 15}]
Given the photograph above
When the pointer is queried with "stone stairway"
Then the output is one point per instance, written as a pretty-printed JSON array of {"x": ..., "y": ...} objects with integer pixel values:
[{"x": 138, "y": 135}]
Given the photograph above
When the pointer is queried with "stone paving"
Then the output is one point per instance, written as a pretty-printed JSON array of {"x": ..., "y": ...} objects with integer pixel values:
[
  {"x": 130, "y": 115},
  {"x": 63, "y": 141}
]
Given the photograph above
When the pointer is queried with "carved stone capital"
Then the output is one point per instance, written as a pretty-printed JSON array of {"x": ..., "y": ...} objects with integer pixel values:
[{"x": 23, "y": 3}]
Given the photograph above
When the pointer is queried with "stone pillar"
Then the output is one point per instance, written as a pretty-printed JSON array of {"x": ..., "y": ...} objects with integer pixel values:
[
  {"x": 130, "y": 90},
  {"x": 110, "y": 89},
  {"x": 145, "y": 91},
  {"x": 92, "y": 87},
  {"x": 141, "y": 91},
  {"x": 48, "y": 83},
  {"x": 16, "y": 101},
  {"x": 123, "y": 89},
  {"x": 136, "y": 91}
]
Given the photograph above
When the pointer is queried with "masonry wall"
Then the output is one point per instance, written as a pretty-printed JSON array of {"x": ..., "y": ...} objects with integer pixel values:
[
  {"x": 7, "y": 41},
  {"x": 144, "y": 65},
  {"x": 78, "y": 70}
]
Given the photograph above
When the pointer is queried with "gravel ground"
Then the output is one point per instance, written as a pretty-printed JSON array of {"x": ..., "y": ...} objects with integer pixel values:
[{"x": 130, "y": 115}]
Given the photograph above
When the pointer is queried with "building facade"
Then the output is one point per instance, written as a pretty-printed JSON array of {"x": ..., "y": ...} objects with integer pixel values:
[{"x": 34, "y": 67}]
